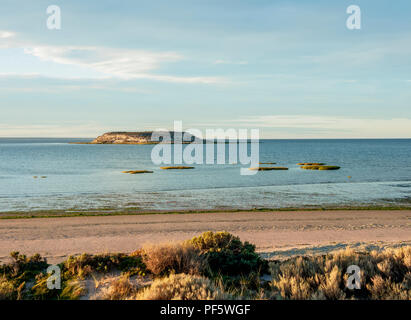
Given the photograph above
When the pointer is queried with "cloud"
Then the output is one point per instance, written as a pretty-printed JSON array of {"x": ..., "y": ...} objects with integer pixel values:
[
  {"x": 329, "y": 126},
  {"x": 62, "y": 130},
  {"x": 121, "y": 63},
  {"x": 6, "y": 34},
  {"x": 125, "y": 64}
]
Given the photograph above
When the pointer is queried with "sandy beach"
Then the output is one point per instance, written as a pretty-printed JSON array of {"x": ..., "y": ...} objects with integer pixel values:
[{"x": 277, "y": 234}]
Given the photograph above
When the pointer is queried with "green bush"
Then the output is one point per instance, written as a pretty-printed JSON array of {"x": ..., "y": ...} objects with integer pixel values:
[
  {"x": 85, "y": 264},
  {"x": 227, "y": 255},
  {"x": 71, "y": 289},
  {"x": 23, "y": 268}
]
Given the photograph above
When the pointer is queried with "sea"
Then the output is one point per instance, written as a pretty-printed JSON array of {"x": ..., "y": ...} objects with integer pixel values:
[{"x": 53, "y": 174}]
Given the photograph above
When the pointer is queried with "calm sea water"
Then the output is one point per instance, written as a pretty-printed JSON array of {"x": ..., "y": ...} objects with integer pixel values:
[{"x": 90, "y": 176}]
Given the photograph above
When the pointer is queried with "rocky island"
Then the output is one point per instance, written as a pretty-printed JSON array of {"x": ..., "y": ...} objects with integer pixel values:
[{"x": 143, "y": 137}]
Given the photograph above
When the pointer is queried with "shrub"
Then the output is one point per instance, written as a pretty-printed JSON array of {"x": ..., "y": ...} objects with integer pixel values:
[
  {"x": 85, "y": 264},
  {"x": 7, "y": 291},
  {"x": 24, "y": 268},
  {"x": 385, "y": 289},
  {"x": 16, "y": 274},
  {"x": 71, "y": 289},
  {"x": 182, "y": 287},
  {"x": 384, "y": 275},
  {"x": 178, "y": 258},
  {"x": 295, "y": 288},
  {"x": 39, "y": 290},
  {"x": 226, "y": 254},
  {"x": 119, "y": 289}
]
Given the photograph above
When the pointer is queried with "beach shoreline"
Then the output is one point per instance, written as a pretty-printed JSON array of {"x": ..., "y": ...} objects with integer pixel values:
[
  {"x": 101, "y": 212},
  {"x": 276, "y": 233}
]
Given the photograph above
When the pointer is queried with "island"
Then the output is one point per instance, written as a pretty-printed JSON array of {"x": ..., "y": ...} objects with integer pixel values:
[{"x": 141, "y": 137}]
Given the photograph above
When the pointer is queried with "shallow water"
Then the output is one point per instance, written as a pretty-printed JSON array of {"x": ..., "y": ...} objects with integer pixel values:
[{"x": 90, "y": 176}]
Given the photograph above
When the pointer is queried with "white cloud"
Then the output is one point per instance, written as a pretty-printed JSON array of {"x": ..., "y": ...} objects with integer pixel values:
[
  {"x": 121, "y": 63},
  {"x": 62, "y": 130},
  {"x": 6, "y": 34},
  {"x": 330, "y": 127}
]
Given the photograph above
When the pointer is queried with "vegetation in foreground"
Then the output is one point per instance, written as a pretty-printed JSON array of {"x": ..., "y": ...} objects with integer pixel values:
[{"x": 211, "y": 266}]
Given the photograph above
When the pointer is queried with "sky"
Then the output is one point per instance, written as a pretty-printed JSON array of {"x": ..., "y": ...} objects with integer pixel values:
[{"x": 290, "y": 68}]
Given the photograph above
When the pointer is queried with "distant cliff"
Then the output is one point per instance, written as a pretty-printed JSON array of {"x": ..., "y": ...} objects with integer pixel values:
[{"x": 143, "y": 137}]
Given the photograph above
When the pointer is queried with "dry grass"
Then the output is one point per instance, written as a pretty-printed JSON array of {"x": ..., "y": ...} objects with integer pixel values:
[
  {"x": 115, "y": 288},
  {"x": 182, "y": 287},
  {"x": 178, "y": 258},
  {"x": 7, "y": 290},
  {"x": 384, "y": 275},
  {"x": 73, "y": 290}
]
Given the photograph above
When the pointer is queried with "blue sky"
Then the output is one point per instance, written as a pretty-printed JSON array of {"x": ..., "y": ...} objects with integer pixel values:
[{"x": 290, "y": 68}]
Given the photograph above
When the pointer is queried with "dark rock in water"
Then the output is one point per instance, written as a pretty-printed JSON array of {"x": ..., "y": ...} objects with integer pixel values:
[
  {"x": 137, "y": 171},
  {"x": 315, "y": 167},
  {"x": 176, "y": 168}
]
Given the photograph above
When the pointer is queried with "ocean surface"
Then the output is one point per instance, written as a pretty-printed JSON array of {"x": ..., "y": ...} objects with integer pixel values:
[{"x": 81, "y": 176}]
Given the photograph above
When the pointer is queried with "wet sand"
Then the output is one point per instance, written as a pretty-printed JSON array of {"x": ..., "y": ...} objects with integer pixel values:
[{"x": 276, "y": 234}]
